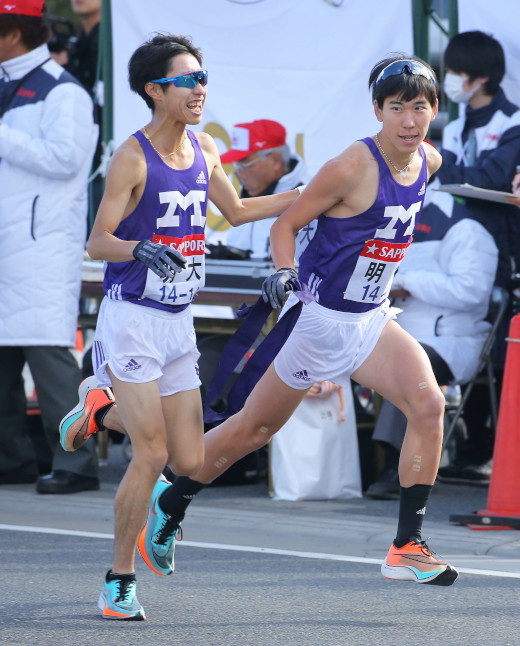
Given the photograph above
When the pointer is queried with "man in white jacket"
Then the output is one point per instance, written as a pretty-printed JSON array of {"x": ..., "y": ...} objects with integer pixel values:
[
  {"x": 443, "y": 287},
  {"x": 47, "y": 140}
]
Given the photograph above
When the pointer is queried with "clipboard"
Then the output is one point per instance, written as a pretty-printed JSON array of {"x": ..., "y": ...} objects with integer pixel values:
[{"x": 467, "y": 190}]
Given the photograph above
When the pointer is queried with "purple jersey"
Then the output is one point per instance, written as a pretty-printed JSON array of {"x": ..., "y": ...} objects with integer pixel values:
[
  {"x": 350, "y": 263},
  {"x": 171, "y": 211}
]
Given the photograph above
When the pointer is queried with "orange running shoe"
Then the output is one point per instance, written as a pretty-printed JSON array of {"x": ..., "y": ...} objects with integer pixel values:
[
  {"x": 416, "y": 562},
  {"x": 78, "y": 425}
]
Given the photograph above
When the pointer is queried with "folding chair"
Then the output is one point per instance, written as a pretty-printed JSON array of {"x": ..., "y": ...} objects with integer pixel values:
[{"x": 484, "y": 372}]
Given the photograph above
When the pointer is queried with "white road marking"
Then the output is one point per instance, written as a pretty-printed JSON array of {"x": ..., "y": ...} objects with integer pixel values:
[{"x": 245, "y": 548}]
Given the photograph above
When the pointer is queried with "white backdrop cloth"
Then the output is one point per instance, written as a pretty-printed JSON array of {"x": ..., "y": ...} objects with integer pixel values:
[{"x": 304, "y": 63}]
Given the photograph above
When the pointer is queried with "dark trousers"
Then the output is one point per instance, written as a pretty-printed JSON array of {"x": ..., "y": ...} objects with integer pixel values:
[{"x": 56, "y": 378}]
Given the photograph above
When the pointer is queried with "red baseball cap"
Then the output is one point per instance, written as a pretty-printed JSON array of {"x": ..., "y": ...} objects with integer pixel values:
[
  {"x": 261, "y": 134},
  {"x": 22, "y": 7}
]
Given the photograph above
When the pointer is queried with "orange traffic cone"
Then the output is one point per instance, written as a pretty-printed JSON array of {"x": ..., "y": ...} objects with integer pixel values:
[
  {"x": 80, "y": 341},
  {"x": 79, "y": 348},
  {"x": 503, "y": 505}
]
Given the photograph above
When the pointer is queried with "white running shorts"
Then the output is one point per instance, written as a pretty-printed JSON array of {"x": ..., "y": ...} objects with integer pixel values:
[
  {"x": 327, "y": 344},
  {"x": 143, "y": 344}
]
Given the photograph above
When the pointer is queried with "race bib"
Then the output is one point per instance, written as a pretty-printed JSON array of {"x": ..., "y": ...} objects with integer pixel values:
[
  {"x": 188, "y": 281},
  {"x": 372, "y": 277}
]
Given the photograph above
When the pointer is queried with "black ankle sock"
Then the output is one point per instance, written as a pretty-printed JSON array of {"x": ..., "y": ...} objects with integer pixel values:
[
  {"x": 411, "y": 513},
  {"x": 114, "y": 575},
  {"x": 99, "y": 415},
  {"x": 175, "y": 499}
]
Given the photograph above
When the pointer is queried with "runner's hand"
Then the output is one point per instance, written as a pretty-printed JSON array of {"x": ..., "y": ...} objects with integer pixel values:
[
  {"x": 275, "y": 287},
  {"x": 162, "y": 260}
]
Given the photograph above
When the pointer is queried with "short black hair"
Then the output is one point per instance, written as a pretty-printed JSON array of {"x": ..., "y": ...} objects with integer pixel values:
[
  {"x": 406, "y": 86},
  {"x": 34, "y": 30},
  {"x": 477, "y": 54},
  {"x": 152, "y": 60}
]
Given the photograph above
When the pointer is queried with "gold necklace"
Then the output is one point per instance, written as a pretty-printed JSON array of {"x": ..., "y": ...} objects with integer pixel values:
[
  {"x": 169, "y": 154},
  {"x": 402, "y": 171}
]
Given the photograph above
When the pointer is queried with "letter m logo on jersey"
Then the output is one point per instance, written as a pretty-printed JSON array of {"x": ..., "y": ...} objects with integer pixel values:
[{"x": 398, "y": 215}]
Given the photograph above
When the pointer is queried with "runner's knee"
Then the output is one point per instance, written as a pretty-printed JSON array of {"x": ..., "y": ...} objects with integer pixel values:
[
  {"x": 153, "y": 460},
  {"x": 150, "y": 450},
  {"x": 187, "y": 465},
  {"x": 427, "y": 410}
]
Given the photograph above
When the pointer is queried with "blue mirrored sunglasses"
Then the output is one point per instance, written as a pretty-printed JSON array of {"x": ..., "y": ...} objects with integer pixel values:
[
  {"x": 189, "y": 80},
  {"x": 405, "y": 67}
]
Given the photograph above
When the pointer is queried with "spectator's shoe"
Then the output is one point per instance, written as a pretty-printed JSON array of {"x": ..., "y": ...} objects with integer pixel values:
[
  {"x": 386, "y": 487},
  {"x": 157, "y": 539},
  {"x": 468, "y": 473},
  {"x": 61, "y": 481},
  {"x": 478, "y": 474},
  {"x": 118, "y": 599},
  {"x": 453, "y": 469},
  {"x": 415, "y": 562},
  {"x": 78, "y": 425}
]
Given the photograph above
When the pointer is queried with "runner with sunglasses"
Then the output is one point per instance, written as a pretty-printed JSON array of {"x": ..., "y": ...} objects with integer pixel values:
[
  {"x": 150, "y": 231},
  {"x": 370, "y": 198}
]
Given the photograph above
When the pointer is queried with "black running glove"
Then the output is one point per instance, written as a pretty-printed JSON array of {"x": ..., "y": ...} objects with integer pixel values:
[
  {"x": 162, "y": 260},
  {"x": 275, "y": 287}
]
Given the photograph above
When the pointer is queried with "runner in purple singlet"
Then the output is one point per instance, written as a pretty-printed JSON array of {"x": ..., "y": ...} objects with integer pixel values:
[
  {"x": 368, "y": 200},
  {"x": 150, "y": 230}
]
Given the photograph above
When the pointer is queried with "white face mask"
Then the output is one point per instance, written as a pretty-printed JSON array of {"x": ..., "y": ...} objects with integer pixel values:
[{"x": 453, "y": 88}]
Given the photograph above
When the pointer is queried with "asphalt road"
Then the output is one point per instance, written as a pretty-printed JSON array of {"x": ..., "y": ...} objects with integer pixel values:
[{"x": 254, "y": 572}]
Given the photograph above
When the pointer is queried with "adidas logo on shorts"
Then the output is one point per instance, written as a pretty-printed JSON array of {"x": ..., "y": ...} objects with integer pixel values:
[
  {"x": 302, "y": 374},
  {"x": 201, "y": 179},
  {"x": 132, "y": 365}
]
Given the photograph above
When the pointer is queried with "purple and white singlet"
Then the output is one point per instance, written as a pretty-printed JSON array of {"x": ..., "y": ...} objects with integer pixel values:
[
  {"x": 350, "y": 263},
  {"x": 171, "y": 211}
]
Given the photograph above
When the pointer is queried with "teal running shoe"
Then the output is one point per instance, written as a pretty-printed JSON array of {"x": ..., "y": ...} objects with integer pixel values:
[
  {"x": 118, "y": 599},
  {"x": 157, "y": 539}
]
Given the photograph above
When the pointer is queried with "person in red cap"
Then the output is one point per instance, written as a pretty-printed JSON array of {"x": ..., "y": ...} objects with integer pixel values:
[
  {"x": 264, "y": 165},
  {"x": 32, "y": 8},
  {"x": 47, "y": 139}
]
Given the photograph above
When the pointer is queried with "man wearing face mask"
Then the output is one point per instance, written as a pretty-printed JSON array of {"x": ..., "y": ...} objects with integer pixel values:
[{"x": 481, "y": 148}]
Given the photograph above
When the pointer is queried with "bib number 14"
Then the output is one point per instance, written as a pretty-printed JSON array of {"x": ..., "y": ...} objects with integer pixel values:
[{"x": 370, "y": 292}]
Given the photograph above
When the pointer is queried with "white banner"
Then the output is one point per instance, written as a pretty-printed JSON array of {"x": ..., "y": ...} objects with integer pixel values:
[
  {"x": 500, "y": 19},
  {"x": 304, "y": 63}
]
